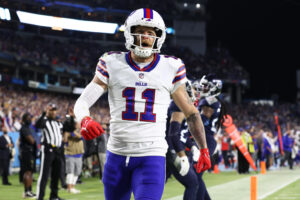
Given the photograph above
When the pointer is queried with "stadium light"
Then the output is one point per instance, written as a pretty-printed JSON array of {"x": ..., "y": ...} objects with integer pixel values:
[
  {"x": 4, "y": 14},
  {"x": 198, "y": 5},
  {"x": 170, "y": 31},
  {"x": 60, "y": 23},
  {"x": 185, "y": 5}
]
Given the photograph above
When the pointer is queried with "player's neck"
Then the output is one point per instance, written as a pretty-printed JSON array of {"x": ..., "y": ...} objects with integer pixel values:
[{"x": 141, "y": 59}]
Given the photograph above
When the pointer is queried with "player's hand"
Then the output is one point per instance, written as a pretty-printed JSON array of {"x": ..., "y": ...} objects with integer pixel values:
[
  {"x": 196, "y": 153},
  {"x": 203, "y": 161},
  {"x": 90, "y": 129},
  {"x": 182, "y": 164}
]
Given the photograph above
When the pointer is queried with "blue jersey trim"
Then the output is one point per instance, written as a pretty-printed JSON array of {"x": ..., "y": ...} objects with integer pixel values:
[
  {"x": 147, "y": 68},
  {"x": 75, "y": 155}
]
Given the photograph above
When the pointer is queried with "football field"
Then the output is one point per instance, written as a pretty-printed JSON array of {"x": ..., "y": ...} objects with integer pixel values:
[{"x": 281, "y": 184}]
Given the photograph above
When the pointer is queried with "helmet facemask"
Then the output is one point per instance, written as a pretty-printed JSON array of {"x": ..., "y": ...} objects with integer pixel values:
[{"x": 139, "y": 49}]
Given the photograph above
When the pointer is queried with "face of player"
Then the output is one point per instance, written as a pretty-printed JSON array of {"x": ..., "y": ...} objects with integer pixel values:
[{"x": 147, "y": 37}]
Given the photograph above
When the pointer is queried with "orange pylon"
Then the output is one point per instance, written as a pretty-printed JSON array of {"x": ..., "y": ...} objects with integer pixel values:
[
  {"x": 262, "y": 167},
  {"x": 253, "y": 188},
  {"x": 216, "y": 169}
]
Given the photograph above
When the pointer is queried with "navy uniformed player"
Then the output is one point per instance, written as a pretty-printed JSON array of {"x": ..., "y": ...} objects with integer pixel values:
[
  {"x": 179, "y": 163},
  {"x": 179, "y": 137},
  {"x": 212, "y": 111}
]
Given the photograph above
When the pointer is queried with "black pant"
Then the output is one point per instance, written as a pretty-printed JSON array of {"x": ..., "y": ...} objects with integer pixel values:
[
  {"x": 225, "y": 158},
  {"x": 189, "y": 181},
  {"x": 50, "y": 159},
  {"x": 288, "y": 157},
  {"x": 243, "y": 165},
  {"x": 62, "y": 176},
  {"x": 4, "y": 166}
]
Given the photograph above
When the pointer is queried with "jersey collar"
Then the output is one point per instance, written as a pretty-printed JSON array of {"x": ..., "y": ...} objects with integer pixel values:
[{"x": 147, "y": 68}]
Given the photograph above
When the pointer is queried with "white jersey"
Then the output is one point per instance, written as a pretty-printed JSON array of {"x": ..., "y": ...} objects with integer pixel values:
[{"x": 139, "y": 99}]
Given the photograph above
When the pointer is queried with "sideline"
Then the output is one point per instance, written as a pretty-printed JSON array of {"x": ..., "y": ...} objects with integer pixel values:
[{"x": 267, "y": 184}]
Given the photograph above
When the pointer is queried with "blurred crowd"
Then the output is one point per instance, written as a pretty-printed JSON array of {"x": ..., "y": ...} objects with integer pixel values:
[
  {"x": 258, "y": 127},
  {"x": 15, "y": 102},
  {"x": 82, "y": 56}
]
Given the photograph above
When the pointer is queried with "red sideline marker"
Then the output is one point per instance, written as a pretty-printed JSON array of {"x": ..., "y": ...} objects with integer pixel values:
[{"x": 279, "y": 134}]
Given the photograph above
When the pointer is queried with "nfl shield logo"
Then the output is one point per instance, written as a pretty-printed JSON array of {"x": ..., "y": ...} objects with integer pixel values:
[{"x": 141, "y": 75}]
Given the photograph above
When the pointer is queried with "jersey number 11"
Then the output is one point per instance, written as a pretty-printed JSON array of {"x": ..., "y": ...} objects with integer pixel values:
[{"x": 147, "y": 115}]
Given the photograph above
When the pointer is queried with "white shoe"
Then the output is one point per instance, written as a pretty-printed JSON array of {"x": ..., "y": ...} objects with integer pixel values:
[
  {"x": 74, "y": 191},
  {"x": 28, "y": 195}
]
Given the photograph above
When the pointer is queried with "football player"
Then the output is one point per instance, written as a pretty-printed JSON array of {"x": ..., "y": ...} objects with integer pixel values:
[
  {"x": 179, "y": 162},
  {"x": 139, "y": 83},
  {"x": 212, "y": 111}
]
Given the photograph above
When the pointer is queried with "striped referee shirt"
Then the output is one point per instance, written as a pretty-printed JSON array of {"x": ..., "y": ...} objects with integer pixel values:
[{"x": 51, "y": 131}]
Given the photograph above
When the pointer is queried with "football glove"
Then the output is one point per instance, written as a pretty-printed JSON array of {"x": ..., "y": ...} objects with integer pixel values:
[
  {"x": 196, "y": 153},
  {"x": 90, "y": 129},
  {"x": 182, "y": 164},
  {"x": 203, "y": 161}
]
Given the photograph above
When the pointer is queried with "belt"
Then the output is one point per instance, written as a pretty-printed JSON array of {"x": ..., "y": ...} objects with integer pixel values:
[{"x": 51, "y": 146}]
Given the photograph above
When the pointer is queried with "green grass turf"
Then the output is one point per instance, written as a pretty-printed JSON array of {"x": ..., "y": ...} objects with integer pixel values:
[
  {"x": 291, "y": 191},
  {"x": 92, "y": 188}
]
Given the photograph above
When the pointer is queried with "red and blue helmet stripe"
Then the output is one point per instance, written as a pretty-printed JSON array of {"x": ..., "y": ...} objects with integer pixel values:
[{"x": 148, "y": 13}]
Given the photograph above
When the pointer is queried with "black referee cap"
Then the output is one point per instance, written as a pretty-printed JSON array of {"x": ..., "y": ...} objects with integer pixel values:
[{"x": 52, "y": 106}]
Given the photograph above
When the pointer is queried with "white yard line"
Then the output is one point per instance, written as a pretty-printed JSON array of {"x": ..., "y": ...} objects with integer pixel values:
[
  {"x": 266, "y": 185},
  {"x": 279, "y": 187}
]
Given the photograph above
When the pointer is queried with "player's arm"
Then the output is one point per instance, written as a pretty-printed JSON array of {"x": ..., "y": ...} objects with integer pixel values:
[
  {"x": 92, "y": 92},
  {"x": 174, "y": 137},
  {"x": 195, "y": 125},
  {"x": 66, "y": 136},
  {"x": 192, "y": 115}
]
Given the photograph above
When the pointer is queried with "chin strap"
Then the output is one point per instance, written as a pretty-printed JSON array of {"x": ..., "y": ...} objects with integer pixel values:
[{"x": 143, "y": 52}]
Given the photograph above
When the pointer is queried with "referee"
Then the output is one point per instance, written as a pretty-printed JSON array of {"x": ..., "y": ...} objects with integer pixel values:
[{"x": 50, "y": 152}]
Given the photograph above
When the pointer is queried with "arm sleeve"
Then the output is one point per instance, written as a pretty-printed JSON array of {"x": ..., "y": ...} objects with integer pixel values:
[
  {"x": 89, "y": 96},
  {"x": 174, "y": 136},
  {"x": 180, "y": 77}
]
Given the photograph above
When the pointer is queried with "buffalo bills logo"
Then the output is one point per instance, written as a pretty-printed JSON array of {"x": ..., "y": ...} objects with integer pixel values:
[{"x": 141, "y": 75}]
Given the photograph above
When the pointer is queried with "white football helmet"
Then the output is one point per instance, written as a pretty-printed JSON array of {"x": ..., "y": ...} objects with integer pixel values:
[
  {"x": 144, "y": 17},
  {"x": 210, "y": 86}
]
